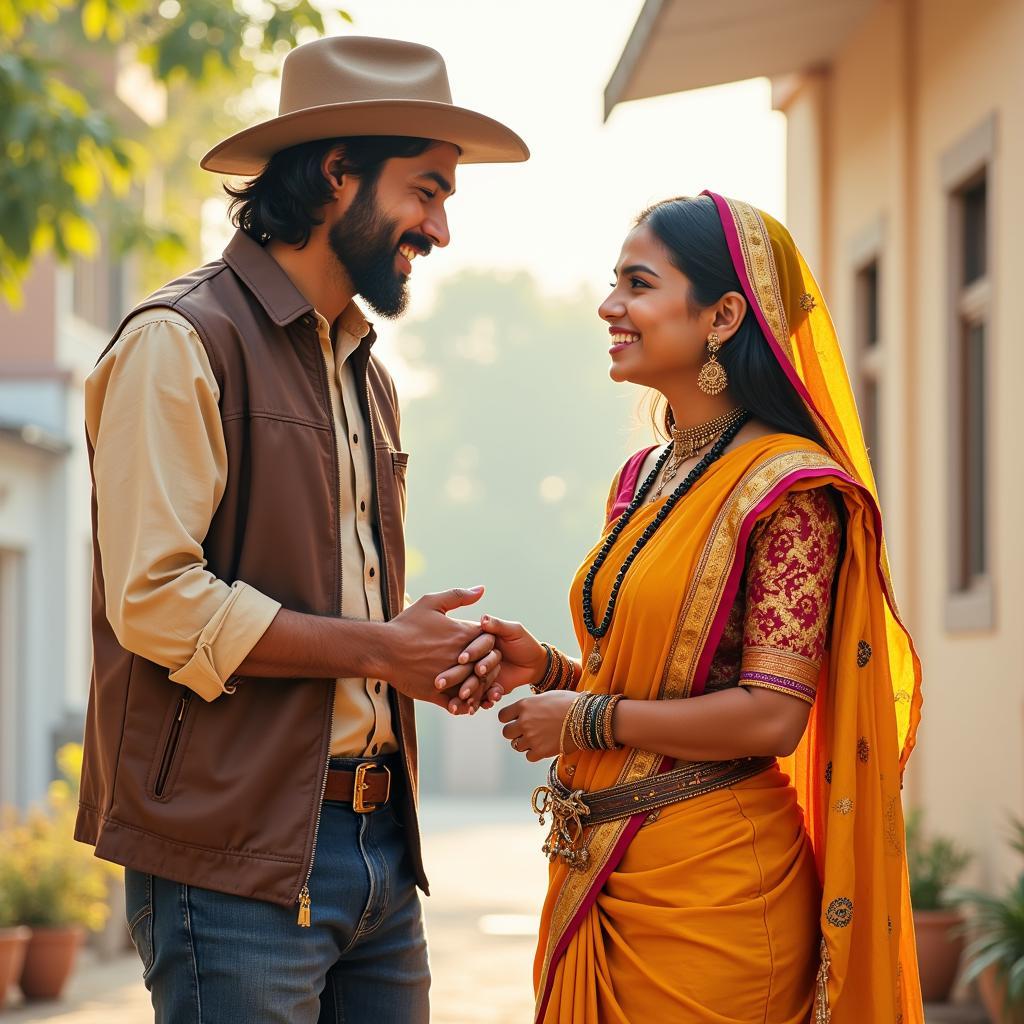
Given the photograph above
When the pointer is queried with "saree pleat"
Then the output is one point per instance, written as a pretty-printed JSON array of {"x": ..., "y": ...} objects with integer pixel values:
[{"x": 711, "y": 916}]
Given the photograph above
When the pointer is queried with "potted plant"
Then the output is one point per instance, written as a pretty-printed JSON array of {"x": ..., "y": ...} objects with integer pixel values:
[
  {"x": 995, "y": 955},
  {"x": 55, "y": 885},
  {"x": 13, "y": 938},
  {"x": 934, "y": 863}
]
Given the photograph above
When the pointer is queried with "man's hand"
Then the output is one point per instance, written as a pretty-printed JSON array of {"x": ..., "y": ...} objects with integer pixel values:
[
  {"x": 423, "y": 644},
  {"x": 519, "y": 658}
]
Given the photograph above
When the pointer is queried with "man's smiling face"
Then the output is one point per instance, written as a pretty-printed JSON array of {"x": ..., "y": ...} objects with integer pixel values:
[{"x": 393, "y": 221}]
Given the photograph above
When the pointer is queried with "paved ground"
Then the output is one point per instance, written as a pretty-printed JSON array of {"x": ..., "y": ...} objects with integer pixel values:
[{"x": 487, "y": 880}]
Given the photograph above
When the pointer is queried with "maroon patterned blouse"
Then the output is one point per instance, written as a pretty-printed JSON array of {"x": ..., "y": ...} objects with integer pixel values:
[{"x": 777, "y": 631}]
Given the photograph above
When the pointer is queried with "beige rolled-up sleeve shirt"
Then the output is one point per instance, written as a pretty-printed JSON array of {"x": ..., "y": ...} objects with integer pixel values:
[{"x": 159, "y": 468}]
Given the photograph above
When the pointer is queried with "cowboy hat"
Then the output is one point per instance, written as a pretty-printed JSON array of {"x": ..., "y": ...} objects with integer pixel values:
[{"x": 359, "y": 85}]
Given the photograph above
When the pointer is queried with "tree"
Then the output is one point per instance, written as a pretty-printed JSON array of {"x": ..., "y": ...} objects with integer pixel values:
[{"x": 64, "y": 149}]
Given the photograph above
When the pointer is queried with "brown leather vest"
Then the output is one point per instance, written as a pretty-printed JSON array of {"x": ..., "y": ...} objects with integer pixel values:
[{"x": 226, "y": 795}]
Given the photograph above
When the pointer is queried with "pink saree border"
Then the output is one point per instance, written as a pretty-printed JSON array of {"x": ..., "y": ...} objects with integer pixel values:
[
  {"x": 732, "y": 238},
  {"x": 628, "y": 477}
]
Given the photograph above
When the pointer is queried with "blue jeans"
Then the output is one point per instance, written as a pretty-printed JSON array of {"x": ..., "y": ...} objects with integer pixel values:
[{"x": 212, "y": 958}]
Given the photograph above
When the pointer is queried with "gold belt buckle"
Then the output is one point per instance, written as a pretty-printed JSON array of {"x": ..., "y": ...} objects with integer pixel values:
[{"x": 359, "y": 805}]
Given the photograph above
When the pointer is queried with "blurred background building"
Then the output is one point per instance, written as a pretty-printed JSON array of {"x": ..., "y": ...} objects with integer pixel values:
[
  {"x": 49, "y": 342},
  {"x": 904, "y": 157}
]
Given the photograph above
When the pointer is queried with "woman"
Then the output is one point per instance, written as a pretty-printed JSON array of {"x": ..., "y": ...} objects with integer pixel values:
[{"x": 727, "y": 835}]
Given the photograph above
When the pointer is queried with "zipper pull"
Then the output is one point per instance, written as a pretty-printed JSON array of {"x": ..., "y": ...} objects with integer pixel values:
[
  {"x": 305, "y": 906},
  {"x": 181, "y": 709}
]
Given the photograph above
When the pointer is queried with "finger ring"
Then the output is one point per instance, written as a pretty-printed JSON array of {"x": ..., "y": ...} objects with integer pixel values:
[{"x": 515, "y": 743}]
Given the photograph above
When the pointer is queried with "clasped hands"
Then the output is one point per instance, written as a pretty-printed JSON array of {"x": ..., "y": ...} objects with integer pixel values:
[{"x": 490, "y": 648}]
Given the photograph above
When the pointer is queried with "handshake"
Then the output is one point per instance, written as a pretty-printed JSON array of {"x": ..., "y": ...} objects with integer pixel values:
[{"x": 456, "y": 663}]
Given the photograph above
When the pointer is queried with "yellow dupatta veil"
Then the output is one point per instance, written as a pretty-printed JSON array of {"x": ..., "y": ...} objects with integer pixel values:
[{"x": 848, "y": 770}]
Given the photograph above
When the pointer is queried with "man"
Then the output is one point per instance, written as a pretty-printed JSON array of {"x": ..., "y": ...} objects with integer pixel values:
[{"x": 250, "y": 742}]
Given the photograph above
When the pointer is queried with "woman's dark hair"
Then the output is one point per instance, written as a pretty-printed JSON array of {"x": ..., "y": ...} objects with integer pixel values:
[
  {"x": 285, "y": 199},
  {"x": 691, "y": 231}
]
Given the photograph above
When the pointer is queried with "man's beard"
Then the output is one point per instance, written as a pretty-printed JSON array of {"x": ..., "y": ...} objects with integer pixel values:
[{"x": 363, "y": 241}]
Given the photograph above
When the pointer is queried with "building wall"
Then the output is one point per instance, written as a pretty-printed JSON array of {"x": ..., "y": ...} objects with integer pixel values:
[
  {"x": 28, "y": 334},
  {"x": 971, "y": 770},
  {"x": 33, "y": 613},
  {"x": 917, "y": 78},
  {"x": 45, "y": 531}
]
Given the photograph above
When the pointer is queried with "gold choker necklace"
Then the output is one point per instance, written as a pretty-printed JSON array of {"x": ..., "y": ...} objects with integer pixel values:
[
  {"x": 686, "y": 442},
  {"x": 689, "y": 440}
]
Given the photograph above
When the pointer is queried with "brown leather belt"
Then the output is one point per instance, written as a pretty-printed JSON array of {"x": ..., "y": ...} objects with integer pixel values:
[
  {"x": 367, "y": 788},
  {"x": 573, "y": 811},
  {"x": 669, "y": 787}
]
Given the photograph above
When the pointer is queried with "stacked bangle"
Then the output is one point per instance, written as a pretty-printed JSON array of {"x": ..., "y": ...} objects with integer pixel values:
[
  {"x": 588, "y": 722},
  {"x": 560, "y": 672}
]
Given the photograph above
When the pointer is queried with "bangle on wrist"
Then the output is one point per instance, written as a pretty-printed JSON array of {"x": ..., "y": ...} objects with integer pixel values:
[
  {"x": 554, "y": 670},
  {"x": 565, "y": 723},
  {"x": 589, "y": 721}
]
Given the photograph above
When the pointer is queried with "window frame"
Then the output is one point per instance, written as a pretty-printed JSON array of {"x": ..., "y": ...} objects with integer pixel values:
[
  {"x": 970, "y": 605},
  {"x": 869, "y": 356}
]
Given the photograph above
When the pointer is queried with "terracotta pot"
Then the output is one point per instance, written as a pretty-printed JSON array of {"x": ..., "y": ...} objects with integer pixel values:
[
  {"x": 49, "y": 960},
  {"x": 13, "y": 942},
  {"x": 993, "y": 994},
  {"x": 938, "y": 951}
]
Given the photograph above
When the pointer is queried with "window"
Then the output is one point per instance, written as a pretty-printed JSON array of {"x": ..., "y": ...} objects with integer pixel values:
[
  {"x": 866, "y": 360},
  {"x": 967, "y": 173},
  {"x": 869, "y": 359},
  {"x": 98, "y": 284},
  {"x": 970, "y": 454}
]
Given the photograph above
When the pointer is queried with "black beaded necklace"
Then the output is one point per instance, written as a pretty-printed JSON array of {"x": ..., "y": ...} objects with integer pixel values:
[{"x": 713, "y": 455}]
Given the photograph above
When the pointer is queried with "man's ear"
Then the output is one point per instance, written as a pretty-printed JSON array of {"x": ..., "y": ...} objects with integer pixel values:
[{"x": 332, "y": 166}]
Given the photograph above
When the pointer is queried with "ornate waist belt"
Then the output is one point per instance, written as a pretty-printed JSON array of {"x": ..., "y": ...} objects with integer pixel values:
[{"x": 573, "y": 811}]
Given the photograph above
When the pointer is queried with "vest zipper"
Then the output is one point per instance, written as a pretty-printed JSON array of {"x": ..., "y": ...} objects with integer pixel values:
[
  {"x": 305, "y": 902},
  {"x": 385, "y": 578},
  {"x": 171, "y": 746}
]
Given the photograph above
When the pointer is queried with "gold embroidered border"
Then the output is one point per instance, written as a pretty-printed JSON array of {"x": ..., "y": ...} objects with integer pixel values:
[
  {"x": 698, "y": 610},
  {"x": 761, "y": 270},
  {"x": 789, "y": 689},
  {"x": 788, "y": 664},
  {"x": 716, "y": 562}
]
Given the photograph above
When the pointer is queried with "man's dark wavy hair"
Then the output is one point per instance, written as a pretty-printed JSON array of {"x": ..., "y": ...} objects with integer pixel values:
[{"x": 284, "y": 200}]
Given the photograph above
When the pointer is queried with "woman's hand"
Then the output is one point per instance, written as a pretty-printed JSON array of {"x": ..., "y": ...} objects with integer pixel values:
[
  {"x": 477, "y": 671},
  {"x": 535, "y": 723},
  {"x": 522, "y": 657}
]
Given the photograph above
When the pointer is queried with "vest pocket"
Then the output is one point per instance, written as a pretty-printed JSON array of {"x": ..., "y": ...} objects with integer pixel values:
[
  {"x": 171, "y": 743},
  {"x": 400, "y": 465}
]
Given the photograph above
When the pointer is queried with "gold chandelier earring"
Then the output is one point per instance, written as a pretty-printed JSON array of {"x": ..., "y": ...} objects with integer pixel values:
[{"x": 712, "y": 379}]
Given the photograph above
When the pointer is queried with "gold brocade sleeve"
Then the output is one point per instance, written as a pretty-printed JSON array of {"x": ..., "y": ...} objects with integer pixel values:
[{"x": 789, "y": 581}]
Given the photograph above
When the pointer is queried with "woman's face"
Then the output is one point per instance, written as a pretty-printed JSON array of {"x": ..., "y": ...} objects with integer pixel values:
[{"x": 656, "y": 337}]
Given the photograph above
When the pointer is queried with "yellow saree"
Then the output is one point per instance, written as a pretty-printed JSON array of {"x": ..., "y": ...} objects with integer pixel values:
[{"x": 774, "y": 900}]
